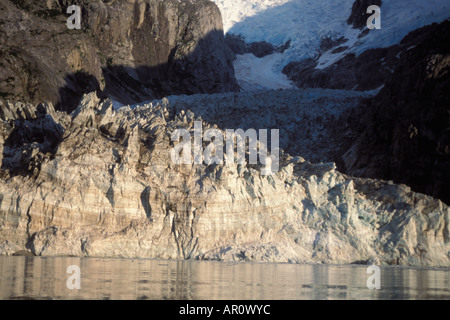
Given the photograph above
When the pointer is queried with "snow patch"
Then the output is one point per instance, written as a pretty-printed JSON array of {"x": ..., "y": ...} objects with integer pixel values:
[
  {"x": 253, "y": 73},
  {"x": 116, "y": 104}
]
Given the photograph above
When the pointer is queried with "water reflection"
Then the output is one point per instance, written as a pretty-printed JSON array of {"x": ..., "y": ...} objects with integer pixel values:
[{"x": 45, "y": 278}]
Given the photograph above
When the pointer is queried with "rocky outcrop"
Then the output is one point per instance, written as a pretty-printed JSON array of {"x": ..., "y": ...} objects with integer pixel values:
[
  {"x": 260, "y": 49},
  {"x": 366, "y": 71},
  {"x": 369, "y": 70},
  {"x": 28, "y": 136},
  {"x": 109, "y": 189},
  {"x": 404, "y": 132},
  {"x": 358, "y": 17},
  {"x": 130, "y": 50},
  {"x": 318, "y": 124},
  {"x": 407, "y": 128}
]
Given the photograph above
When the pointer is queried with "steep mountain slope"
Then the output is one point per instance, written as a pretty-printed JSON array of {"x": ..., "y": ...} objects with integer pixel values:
[
  {"x": 407, "y": 126},
  {"x": 100, "y": 182},
  {"x": 322, "y": 31},
  {"x": 130, "y": 50},
  {"x": 109, "y": 189}
]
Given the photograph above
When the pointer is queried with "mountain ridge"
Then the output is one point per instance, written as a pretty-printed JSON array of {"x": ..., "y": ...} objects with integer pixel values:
[
  {"x": 107, "y": 190},
  {"x": 130, "y": 51}
]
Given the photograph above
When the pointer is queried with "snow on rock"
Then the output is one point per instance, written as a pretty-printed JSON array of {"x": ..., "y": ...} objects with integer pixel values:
[
  {"x": 308, "y": 119},
  {"x": 398, "y": 18},
  {"x": 110, "y": 190},
  {"x": 253, "y": 73},
  {"x": 307, "y": 22},
  {"x": 235, "y": 11}
]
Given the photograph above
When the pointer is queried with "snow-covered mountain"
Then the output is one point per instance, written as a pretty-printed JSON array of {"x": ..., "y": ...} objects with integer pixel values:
[
  {"x": 307, "y": 22},
  {"x": 235, "y": 11}
]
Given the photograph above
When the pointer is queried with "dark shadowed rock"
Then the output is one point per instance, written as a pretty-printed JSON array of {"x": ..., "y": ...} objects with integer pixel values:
[
  {"x": 109, "y": 189},
  {"x": 130, "y": 50},
  {"x": 328, "y": 43},
  {"x": 406, "y": 127},
  {"x": 236, "y": 43},
  {"x": 260, "y": 49},
  {"x": 23, "y": 253},
  {"x": 368, "y": 71}
]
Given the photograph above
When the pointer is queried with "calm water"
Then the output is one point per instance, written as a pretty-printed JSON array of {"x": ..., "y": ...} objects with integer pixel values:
[{"x": 45, "y": 278}]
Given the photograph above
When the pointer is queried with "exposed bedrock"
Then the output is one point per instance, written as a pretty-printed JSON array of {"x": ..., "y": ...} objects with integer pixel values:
[
  {"x": 130, "y": 50},
  {"x": 109, "y": 189}
]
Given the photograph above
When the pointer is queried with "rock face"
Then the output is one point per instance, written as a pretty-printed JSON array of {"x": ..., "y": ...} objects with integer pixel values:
[
  {"x": 407, "y": 128},
  {"x": 358, "y": 17},
  {"x": 368, "y": 71},
  {"x": 109, "y": 189},
  {"x": 130, "y": 50},
  {"x": 260, "y": 49},
  {"x": 405, "y": 131}
]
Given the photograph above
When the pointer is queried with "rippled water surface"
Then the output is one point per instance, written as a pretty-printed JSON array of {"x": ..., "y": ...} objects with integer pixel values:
[{"x": 46, "y": 278}]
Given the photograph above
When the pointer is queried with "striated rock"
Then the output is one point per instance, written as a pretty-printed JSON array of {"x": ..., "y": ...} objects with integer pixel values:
[
  {"x": 110, "y": 190},
  {"x": 130, "y": 50}
]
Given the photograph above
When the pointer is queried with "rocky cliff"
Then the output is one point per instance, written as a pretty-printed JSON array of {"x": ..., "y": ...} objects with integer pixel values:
[
  {"x": 130, "y": 50},
  {"x": 406, "y": 134},
  {"x": 100, "y": 183}
]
